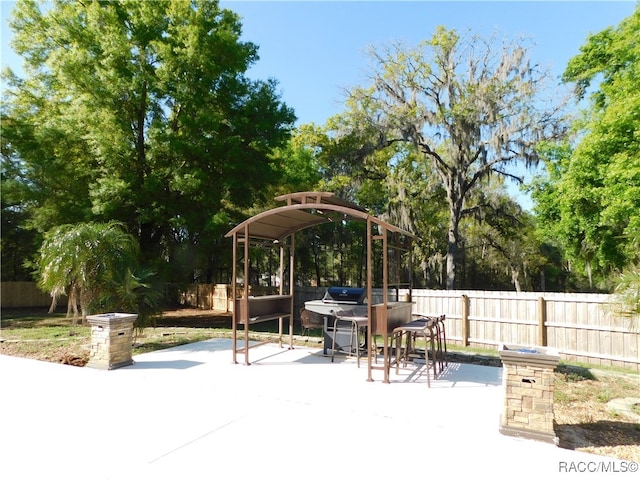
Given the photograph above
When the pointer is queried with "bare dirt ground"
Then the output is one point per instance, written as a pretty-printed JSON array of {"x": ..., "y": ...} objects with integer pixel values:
[
  {"x": 583, "y": 421},
  {"x": 194, "y": 318}
]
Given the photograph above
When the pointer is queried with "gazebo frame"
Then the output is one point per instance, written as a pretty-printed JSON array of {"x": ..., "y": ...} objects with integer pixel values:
[{"x": 275, "y": 226}]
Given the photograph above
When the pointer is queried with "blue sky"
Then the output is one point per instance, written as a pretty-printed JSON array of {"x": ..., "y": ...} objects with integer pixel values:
[{"x": 316, "y": 49}]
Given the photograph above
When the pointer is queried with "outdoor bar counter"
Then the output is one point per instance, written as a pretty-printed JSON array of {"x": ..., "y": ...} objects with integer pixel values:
[
  {"x": 383, "y": 319},
  {"x": 387, "y": 317}
]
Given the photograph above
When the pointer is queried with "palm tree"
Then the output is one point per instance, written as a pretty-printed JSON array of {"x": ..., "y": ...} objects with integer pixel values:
[
  {"x": 627, "y": 295},
  {"x": 134, "y": 290},
  {"x": 83, "y": 261}
]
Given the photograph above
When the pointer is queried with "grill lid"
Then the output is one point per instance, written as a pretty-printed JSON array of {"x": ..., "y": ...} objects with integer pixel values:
[{"x": 352, "y": 295}]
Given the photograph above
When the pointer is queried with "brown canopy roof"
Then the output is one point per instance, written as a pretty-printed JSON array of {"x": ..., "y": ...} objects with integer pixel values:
[{"x": 303, "y": 210}]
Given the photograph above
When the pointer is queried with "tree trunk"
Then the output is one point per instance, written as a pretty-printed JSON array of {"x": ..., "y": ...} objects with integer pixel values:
[
  {"x": 455, "y": 199},
  {"x": 452, "y": 253},
  {"x": 515, "y": 278},
  {"x": 316, "y": 263},
  {"x": 72, "y": 304}
]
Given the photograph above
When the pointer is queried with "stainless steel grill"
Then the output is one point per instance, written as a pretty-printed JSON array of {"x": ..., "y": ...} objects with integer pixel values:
[
  {"x": 338, "y": 301},
  {"x": 345, "y": 295}
]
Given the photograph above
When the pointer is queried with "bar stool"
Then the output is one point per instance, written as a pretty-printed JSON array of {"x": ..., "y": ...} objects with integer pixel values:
[
  {"x": 437, "y": 340},
  {"x": 441, "y": 341},
  {"x": 357, "y": 324},
  {"x": 422, "y": 327}
]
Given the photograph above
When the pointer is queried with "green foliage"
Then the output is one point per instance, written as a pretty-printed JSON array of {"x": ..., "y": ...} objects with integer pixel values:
[
  {"x": 18, "y": 242},
  {"x": 298, "y": 163},
  {"x": 590, "y": 201},
  {"x": 503, "y": 239},
  {"x": 627, "y": 295},
  {"x": 95, "y": 265},
  {"x": 135, "y": 290},
  {"x": 141, "y": 112},
  {"x": 610, "y": 56}
]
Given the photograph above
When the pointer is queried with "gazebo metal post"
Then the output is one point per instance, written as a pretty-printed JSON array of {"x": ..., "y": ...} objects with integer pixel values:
[
  {"x": 281, "y": 286},
  {"x": 398, "y": 255},
  {"x": 291, "y": 280},
  {"x": 234, "y": 290},
  {"x": 245, "y": 298},
  {"x": 280, "y": 290},
  {"x": 370, "y": 332},
  {"x": 381, "y": 311},
  {"x": 385, "y": 301}
]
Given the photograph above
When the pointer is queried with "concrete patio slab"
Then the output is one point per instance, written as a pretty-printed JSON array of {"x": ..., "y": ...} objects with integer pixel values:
[{"x": 190, "y": 413}]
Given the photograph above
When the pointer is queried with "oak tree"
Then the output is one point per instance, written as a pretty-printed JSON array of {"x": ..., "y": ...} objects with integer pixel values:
[
  {"x": 599, "y": 188},
  {"x": 472, "y": 108},
  {"x": 141, "y": 112}
]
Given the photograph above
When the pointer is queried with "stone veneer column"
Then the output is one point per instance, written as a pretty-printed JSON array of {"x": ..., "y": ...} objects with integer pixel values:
[
  {"x": 111, "y": 337},
  {"x": 528, "y": 381}
]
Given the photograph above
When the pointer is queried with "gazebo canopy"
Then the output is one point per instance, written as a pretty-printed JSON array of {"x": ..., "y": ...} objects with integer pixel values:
[{"x": 303, "y": 210}]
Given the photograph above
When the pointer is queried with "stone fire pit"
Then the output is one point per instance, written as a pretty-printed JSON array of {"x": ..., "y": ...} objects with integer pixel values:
[
  {"x": 111, "y": 337},
  {"x": 528, "y": 382}
]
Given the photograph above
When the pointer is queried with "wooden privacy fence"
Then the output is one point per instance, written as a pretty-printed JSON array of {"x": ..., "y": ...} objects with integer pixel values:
[
  {"x": 582, "y": 327},
  {"x": 218, "y": 296},
  {"x": 206, "y": 296},
  {"x": 25, "y": 295}
]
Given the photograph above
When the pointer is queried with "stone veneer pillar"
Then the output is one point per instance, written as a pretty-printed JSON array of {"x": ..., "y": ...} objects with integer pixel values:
[
  {"x": 528, "y": 381},
  {"x": 111, "y": 337}
]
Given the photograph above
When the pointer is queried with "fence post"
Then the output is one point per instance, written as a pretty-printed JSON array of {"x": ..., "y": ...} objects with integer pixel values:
[
  {"x": 542, "y": 322},
  {"x": 465, "y": 320}
]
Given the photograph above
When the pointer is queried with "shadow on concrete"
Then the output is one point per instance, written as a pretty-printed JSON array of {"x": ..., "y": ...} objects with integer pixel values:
[{"x": 163, "y": 364}]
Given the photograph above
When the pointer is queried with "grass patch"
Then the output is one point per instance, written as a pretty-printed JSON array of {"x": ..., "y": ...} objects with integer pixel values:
[
  {"x": 45, "y": 333},
  {"x": 54, "y": 338},
  {"x": 50, "y": 337},
  {"x": 581, "y": 385}
]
